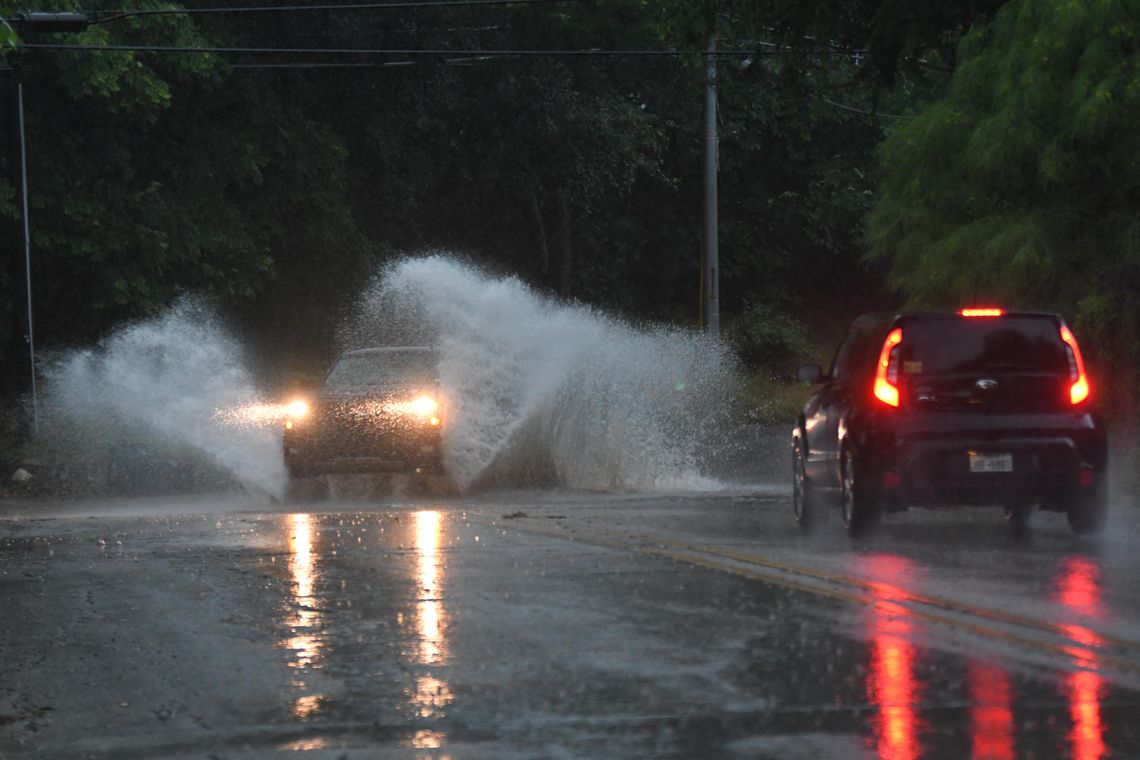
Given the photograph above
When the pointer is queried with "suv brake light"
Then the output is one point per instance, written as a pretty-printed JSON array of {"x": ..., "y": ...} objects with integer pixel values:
[
  {"x": 1079, "y": 390},
  {"x": 887, "y": 371},
  {"x": 986, "y": 312}
]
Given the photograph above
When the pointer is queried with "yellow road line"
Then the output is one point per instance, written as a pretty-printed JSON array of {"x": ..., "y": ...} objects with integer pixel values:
[
  {"x": 924, "y": 599},
  {"x": 853, "y": 590}
]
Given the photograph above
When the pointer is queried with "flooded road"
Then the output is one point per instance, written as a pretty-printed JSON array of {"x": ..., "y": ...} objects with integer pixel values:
[{"x": 559, "y": 624}]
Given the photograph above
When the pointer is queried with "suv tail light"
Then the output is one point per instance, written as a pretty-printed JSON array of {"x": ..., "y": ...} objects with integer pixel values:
[
  {"x": 1079, "y": 390},
  {"x": 887, "y": 371}
]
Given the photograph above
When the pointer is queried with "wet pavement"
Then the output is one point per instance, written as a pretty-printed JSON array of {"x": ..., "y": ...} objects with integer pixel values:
[{"x": 559, "y": 624}]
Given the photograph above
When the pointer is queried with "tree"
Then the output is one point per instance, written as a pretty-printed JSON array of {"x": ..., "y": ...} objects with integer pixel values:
[
  {"x": 153, "y": 175},
  {"x": 891, "y": 36},
  {"x": 276, "y": 189}
]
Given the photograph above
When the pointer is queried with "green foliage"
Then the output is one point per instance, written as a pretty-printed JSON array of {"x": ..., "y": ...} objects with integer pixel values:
[
  {"x": 770, "y": 339},
  {"x": 152, "y": 175},
  {"x": 277, "y": 189},
  {"x": 893, "y": 36},
  {"x": 774, "y": 401},
  {"x": 8, "y": 37},
  {"x": 1021, "y": 184}
]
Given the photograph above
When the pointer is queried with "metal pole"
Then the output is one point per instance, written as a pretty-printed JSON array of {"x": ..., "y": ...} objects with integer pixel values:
[
  {"x": 27, "y": 252},
  {"x": 710, "y": 283}
]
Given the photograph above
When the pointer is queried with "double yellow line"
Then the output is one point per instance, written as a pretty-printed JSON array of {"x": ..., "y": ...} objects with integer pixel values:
[{"x": 1080, "y": 646}]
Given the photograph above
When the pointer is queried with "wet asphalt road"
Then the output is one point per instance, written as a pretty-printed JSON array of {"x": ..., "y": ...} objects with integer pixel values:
[{"x": 559, "y": 625}]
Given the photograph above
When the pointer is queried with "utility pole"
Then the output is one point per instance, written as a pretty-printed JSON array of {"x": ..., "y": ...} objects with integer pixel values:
[
  {"x": 710, "y": 282},
  {"x": 27, "y": 248},
  {"x": 28, "y": 24}
]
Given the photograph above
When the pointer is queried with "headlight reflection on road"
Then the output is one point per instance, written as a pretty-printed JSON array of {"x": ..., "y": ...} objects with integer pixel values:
[
  {"x": 431, "y": 693},
  {"x": 304, "y": 621},
  {"x": 429, "y": 609}
]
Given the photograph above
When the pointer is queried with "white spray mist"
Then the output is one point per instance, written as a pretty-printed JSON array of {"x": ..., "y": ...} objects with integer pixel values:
[
  {"x": 176, "y": 383},
  {"x": 547, "y": 393}
]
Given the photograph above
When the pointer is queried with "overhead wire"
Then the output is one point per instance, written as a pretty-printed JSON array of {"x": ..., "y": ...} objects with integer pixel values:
[
  {"x": 757, "y": 48},
  {"x": 116, "y": 15},
  {"x": 431, "y": 52},
  {"x": 106, "y": 16},
  {"x": 345, "y": 51}
]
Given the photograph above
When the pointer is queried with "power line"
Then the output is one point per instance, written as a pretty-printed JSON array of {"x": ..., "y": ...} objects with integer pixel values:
[
  {"x": 65, "y": 22},
  {"x": 319, "y": 65},
  {"x": 584, "y": 52},
  {"x": 865, "y": 112},
  {"x": 467, "y": 60},
  {"x": 426, "y": 52},
  {"x": 116, "y": 15},
  {"x": 464, "y": 60}
]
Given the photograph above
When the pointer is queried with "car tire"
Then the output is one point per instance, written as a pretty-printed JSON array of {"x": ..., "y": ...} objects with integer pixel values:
[
  {"x": 860, "y": 513},
  {"x": 1088, "y": 516},
  {"x": 805, "y": 504}
]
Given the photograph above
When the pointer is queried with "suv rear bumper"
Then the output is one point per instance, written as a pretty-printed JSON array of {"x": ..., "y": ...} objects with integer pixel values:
[{"x": 924, "y": 460}]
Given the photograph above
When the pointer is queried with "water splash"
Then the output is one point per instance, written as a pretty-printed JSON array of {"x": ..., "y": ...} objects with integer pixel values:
[
  {"x": 543, "y": 392},
  {"x": 540, "y": 392},
  {"x": 171, "y": 389}
]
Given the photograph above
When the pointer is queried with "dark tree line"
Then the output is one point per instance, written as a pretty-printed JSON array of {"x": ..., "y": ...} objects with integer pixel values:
[
  {"x": 277, "y": 183},
  {"x": 278, "y": 188}
]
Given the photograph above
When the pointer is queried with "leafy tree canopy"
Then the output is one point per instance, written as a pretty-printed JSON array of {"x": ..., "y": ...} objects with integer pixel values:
[
  {"x": 892, "y": 35},
  {"x": 152, "y": 175},
  {"x": 1022, "y": 184},
  {"x": 8, "y": 38},
  {"x": 276, "y": 183}
]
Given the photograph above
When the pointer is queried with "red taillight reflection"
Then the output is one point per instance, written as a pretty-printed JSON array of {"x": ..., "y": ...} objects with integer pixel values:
[
  {"x": 891, "y": 682},
  {"x": 1087, "y": 736},
  {"x": 991, "y": 717},
  {"x": 1079, "y": 390},
  {"x": 886, "y": 373},
  {"x": 1078, "y": 586},
  {"x": 1078, "y": 589}
]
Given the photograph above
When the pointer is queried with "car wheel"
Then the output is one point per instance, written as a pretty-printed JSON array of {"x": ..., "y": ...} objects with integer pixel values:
[
  {"x": 1088, "y": 516},
  {"x": 805, "y": 504},
  {"x": 860, "y": 513}
]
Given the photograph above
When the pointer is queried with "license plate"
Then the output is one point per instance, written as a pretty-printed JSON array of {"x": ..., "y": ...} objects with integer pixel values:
[{"x": 991, "y": 462}]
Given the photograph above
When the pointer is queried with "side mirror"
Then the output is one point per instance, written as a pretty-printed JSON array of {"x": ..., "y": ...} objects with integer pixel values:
[{"x": 810, "y": 374}]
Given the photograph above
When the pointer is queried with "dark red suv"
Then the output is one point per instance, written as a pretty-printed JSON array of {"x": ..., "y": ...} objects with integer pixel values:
[{"x": 976, "y": 408}]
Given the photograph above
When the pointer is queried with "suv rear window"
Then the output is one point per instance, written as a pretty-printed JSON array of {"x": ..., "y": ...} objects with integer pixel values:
[{"x": 986, "y": 345}]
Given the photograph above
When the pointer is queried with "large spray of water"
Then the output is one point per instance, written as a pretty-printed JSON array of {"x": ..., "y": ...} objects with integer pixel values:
[
  {"x": 538, "y": 392},
  {"x": 542, "y": 392},
  {"x": 172, "y": 388}
]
